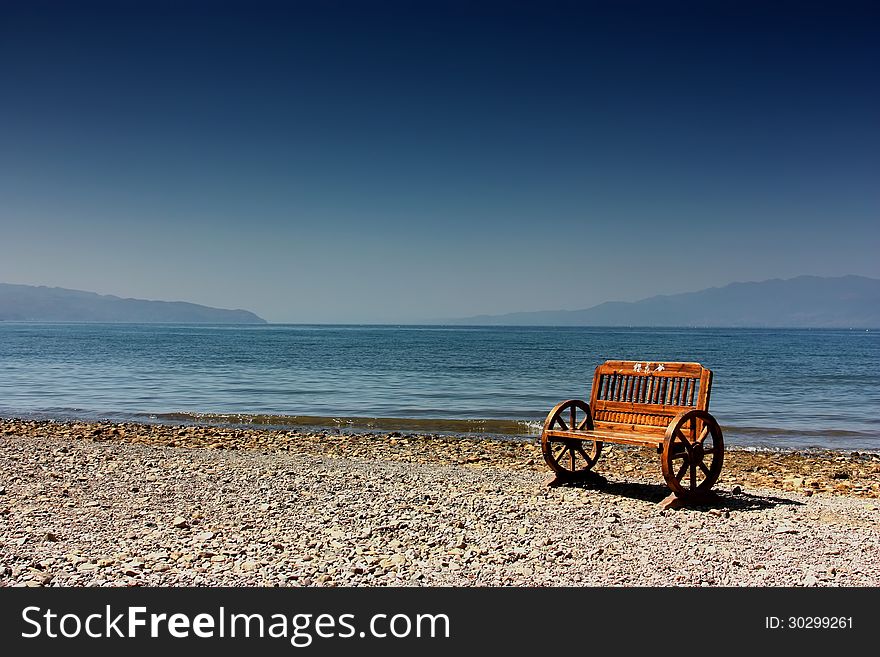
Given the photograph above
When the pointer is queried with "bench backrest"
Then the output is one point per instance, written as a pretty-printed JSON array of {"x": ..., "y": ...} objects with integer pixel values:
[{"x": 643, "y": 397}]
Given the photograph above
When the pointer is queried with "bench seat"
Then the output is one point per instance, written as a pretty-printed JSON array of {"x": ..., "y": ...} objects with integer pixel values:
[{"x": 607, "y": 436}]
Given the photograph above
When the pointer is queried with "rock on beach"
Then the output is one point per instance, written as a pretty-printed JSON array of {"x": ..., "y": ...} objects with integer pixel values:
[{"x": 110, "y": 504}]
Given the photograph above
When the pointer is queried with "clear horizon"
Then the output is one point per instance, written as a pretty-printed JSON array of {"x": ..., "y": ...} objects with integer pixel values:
[{"x": 383, "y": 163}]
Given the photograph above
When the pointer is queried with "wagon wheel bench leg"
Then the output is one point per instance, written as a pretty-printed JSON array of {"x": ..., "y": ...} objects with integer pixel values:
[
  {"x": 692, "y": 456},
  {"x": 571, "y": 459}
]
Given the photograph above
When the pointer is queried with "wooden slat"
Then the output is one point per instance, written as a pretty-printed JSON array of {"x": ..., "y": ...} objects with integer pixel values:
[
  {"x": 669, "y": 369},
  {"x": 623, "y": 438},
  {"x": 629, "y": 407},
  {"x": 705, "y": 389},
  {"x": 613, "y": 384},
  {"x": 630, "y": 427}
]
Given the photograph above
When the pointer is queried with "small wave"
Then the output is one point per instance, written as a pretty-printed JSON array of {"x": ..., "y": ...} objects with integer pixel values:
[
  {"x": 794, "y": 433},
  {"x": 499, "y": 427},
  {"x": 739, "y": 436}
]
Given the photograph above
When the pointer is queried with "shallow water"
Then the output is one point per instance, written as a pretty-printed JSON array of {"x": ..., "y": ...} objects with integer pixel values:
[{"x": 783, "y": 388}]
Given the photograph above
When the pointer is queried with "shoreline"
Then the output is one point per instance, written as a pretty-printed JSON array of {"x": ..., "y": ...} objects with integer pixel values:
[
  {"x": 809, "y": 471},
  {"x": 503, "y": 428},
  {"x": 755, "y": 438},
  {"x": 124, "y": 504}
]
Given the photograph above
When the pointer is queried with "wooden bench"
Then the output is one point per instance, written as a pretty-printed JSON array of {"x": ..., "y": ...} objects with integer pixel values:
[{"x": 664, "y": 406}]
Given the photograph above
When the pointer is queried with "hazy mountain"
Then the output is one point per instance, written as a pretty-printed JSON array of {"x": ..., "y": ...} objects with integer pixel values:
[
  {"x": 55, "y": 304},
  {"x": 802, "y": 302}
]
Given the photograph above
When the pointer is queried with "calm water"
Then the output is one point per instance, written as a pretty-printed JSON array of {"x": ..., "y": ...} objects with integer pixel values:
[{"x": 778, "y": 388}]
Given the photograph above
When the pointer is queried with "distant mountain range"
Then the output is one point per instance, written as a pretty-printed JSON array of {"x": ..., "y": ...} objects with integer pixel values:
[
  {"x": 55, "y": 304},
  {"x": 802, "y": 302}
]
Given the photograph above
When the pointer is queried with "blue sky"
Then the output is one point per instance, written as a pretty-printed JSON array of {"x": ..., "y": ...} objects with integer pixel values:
[{"x": 389, "y": 162}]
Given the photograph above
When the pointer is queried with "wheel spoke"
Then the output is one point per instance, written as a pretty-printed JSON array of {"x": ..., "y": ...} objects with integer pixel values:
[
  {"x": 693, "y": 475},
  {"x": 583, "y": 424},
  {"x": 683, "y": 439},
  {"x": 704, "y": 468},
  {"x": 571, "y": 454},
  {"x": 709, "y": 451},
  {"x": 703, "y": 434},
  {"x": 680, "y": 455},
  {"x": 681, "y": 471},
  {"x": 561, "y": 423},
  {"x": 558, "y": 457},
  {"x": 580, "y": 448},
  {"x": 573, "y": 411}
]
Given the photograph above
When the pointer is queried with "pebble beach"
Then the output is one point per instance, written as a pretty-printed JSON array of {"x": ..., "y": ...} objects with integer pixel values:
[{"x": 123, "y": 504}]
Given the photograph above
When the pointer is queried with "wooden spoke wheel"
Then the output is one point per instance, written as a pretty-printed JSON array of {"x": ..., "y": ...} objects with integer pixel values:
[
  {"x": 693, "y": 452},
  {"x": 569, "y": 457}
]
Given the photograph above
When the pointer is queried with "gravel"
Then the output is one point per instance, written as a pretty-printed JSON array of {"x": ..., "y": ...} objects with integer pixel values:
[{"x": 81, "y": 511}]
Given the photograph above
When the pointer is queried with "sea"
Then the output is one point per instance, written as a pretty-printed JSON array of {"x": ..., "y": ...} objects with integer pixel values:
[{"x": 772, "y": 389}]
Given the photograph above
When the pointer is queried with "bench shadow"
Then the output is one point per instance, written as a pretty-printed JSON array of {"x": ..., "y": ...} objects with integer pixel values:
[{"x": 656, "y": 493}]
